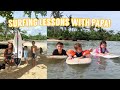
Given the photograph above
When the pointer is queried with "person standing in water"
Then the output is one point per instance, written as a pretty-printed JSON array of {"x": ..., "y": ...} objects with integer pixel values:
[{"x": 33, "y": 53}]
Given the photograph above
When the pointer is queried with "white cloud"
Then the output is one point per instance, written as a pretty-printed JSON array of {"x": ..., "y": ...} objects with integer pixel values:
[
  {"x": 36, "y": 30},
  {"x": 30, "y": 30},
  {"x": 2, "y": 19},
  {"x": 113, "y": 15}
]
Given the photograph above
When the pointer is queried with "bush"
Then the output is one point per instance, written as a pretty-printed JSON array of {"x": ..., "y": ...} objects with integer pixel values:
[{"x": 60, "y": 38}]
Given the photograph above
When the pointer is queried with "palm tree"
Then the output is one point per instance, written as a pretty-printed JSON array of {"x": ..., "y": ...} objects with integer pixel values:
[
  {"x": 70, "y": 23},
  {"x": 9, "y": 15},
  {"x": 56, "y": 14}
]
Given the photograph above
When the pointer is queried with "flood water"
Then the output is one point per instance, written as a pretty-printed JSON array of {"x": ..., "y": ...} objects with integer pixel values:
[{"x": 100, "y": 68}]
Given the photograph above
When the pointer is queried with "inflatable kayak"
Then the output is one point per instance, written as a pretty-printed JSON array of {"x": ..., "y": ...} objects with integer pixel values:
[
  {"x": 105, "y": 56},
  {"x": 57, "y": 56},
  {"x": 78, "y": 61}
]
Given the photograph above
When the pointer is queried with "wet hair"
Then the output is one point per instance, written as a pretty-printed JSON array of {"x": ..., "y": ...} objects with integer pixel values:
[
  {"x": 103, "y": 42},
  {"x": 59, "y": 43},
  {"x": 77, "y": 45},
  {"x": 33, "y": 41}
]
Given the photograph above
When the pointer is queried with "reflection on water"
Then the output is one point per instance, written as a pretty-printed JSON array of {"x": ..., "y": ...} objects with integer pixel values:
[
  {"x": 102, "y": 63},
  {"x": 116, "y": 61},
  {"x": 100, "y": 68}
]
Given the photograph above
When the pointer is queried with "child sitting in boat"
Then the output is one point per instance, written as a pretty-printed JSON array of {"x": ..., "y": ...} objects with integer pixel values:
[
  {"x": 102, "y": 49},
  {"x": 78, "y": 52},
  {"x": 59, "y": 49}
]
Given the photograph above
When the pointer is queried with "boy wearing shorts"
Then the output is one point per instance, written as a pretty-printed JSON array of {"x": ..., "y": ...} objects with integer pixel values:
[
  {"x": 26, "y": 54},
  {"x": 33, "y": 53}
]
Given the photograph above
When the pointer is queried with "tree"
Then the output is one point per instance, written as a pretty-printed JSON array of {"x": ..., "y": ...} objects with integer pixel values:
[
  {"x": 23, "y": 32},
  {"x": 29, "y": 13},
  {"x": 70, "y": 23},
  {"x": 56, "y": 14},
  {"x": 9, "y": 15}
]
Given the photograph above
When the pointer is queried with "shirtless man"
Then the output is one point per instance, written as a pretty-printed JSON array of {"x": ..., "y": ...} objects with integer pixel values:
[{"x": 33, "y": 53}]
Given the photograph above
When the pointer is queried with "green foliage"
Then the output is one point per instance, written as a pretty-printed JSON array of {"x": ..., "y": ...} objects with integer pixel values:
[
  {"x": 83, "y": 34},
  {"x": 5, "y": 30},
  {"x": 9, "y": 14},
  {"x": 56, "y": 14},
  {"x": 60, "y": 37},
  {"x": 24, "y": 37},
  {"x": 29, "y": 13},
  {"x": 35, "y": 37}
]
